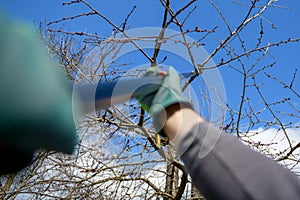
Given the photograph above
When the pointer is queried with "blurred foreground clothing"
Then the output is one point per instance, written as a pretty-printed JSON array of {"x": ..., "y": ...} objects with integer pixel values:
[{"x": 35, "y": 104}]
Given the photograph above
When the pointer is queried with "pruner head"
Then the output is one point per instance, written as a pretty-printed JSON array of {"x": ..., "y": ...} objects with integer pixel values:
[{"x": 187, "y": 75}]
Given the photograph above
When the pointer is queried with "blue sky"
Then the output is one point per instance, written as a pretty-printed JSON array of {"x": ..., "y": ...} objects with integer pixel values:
[{"x": 148, "y": 14}]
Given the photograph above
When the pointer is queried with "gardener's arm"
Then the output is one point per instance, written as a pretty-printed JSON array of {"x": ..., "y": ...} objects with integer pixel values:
[
  {"x": 176, "y": 117},
  {"x": 230, "y": 170}
]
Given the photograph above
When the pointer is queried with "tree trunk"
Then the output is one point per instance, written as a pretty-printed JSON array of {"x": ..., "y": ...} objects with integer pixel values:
[{"x": 172, "y": 178}]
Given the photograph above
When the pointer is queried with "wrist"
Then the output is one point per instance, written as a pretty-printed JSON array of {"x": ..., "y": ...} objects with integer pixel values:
[{"x": 180, "y": 120}]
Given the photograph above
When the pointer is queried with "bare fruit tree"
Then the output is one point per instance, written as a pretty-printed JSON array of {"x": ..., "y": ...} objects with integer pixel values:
[{"x": 119, "y": 155}]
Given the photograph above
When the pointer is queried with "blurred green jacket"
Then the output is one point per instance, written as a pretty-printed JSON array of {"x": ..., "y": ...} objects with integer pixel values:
[{"x": 35, "y": 103}]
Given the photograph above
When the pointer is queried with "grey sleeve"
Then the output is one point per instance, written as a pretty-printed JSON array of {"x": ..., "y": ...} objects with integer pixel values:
[{"x": 221, "y": 167}]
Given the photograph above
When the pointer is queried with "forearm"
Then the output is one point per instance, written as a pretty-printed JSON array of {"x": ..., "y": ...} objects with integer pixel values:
[
  {"x": 179, "y": 122},
  {"x": 231, "y": 170},
  {"x": 221, "y": 166}
]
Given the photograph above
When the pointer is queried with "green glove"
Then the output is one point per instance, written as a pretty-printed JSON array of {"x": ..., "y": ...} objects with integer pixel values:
[
  {"x": 35, "y": 104},
  {"x": 167, "y": 94}
]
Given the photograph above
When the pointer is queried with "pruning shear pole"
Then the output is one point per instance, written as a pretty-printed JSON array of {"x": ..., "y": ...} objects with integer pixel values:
[{"x": 99, "y": 96}]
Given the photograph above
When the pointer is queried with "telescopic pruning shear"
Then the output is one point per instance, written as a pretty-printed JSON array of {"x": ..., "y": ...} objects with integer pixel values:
[{"x": 105, "y": 94}]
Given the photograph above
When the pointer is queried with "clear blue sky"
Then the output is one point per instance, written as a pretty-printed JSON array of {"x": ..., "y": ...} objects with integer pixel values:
[{"x": 148, "y": 13}]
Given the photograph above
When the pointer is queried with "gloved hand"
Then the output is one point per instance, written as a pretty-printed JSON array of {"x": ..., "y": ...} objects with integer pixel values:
[{"x": 169, "y": 93}]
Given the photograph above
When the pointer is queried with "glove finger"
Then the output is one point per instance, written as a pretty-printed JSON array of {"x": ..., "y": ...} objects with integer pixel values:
[
  {"x": 151, "y": 71},
  {"x": 173, "y": 79}
]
